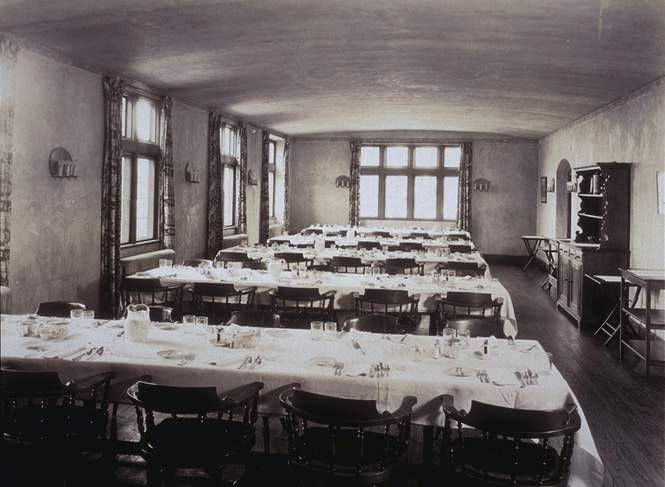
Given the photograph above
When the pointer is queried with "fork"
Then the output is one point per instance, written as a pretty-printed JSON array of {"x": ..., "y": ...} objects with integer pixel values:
[{"x": 247, "y": 361}]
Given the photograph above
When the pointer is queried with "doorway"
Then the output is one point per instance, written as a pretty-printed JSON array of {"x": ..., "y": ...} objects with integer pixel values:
[{"x": 563, "y": 200}]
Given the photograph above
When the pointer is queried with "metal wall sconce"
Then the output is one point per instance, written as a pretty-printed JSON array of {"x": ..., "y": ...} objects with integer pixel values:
[
  {"x": 571, "y": 186},
  {"x": 251, "y": 178},
  {"x": 480, "y": 184},
  {"x": 61, "y": 165},
  {"x": 343, "y": 181},
  {"x": 550, "y": 185},
  {"x": 192, "y": 175}
]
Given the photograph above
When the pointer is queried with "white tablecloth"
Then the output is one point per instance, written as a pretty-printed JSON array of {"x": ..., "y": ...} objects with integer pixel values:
[
  {"x": 394, "y": 231},
  {"x": 344, "y": 284},
  {"x": 441, "y": 243},
  {"x": 290, "y": 356}
]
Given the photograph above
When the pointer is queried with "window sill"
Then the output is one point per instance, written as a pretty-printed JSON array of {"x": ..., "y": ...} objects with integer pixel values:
[{"x": 127, "y": 250}]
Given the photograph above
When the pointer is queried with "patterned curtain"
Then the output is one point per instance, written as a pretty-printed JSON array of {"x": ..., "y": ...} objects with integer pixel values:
[
  {"x": 354, "y": 192},
  {"x": 111, "y": 180},
  {"x": 464, "y": 193},
  {"x": 264, "y": 209},
  {"x": 8, "y": 55},
  {"x": 242, "y": 197},
  {"x": 287, "y": 152},
  {"x": 166, "y": 186},
  {"x": 215, "y": 190}
]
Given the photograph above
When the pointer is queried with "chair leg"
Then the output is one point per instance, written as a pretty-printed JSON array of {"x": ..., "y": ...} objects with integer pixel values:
[{"x": 266, "y": 435}]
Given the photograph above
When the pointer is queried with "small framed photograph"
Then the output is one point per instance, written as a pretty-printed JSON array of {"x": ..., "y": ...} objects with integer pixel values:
[
  {"x": 543, "y": 189},
  {"x": 660, "y": 190}
]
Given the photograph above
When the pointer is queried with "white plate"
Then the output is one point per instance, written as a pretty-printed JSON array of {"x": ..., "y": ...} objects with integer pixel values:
[
  {"x": 171, "y": 354},
  {"x": 323, "y": 361}
]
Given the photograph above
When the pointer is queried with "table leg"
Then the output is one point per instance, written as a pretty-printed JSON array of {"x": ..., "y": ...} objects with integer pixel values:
[{"x": 532, "y": 250}]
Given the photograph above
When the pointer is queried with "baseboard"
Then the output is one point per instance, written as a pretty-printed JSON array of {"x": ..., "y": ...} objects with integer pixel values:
[{"x": 515, "y": 260}]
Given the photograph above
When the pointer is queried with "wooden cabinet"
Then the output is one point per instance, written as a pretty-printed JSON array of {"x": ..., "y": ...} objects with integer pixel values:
[{"x": 601, "y": 243}]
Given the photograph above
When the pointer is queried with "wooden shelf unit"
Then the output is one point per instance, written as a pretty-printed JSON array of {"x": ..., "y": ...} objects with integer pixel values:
[
  {"x": 650, "y": 281},
  {"x": 602, "y": 240}
]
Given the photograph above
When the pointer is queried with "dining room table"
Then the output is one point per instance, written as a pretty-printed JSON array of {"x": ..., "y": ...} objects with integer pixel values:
[
  {"x": 428, "y": 287},
  {"x": 430, "y": 258},
  {"x": 352, "y": 241},
  {"x": 401, "y": 231},
  {"x": 385, "y": 368}
]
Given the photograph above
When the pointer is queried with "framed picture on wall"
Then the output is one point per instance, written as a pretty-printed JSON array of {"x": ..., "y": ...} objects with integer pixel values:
[
  {"x": 543, "y": 189},
  {"x": 660, "y": 192}
]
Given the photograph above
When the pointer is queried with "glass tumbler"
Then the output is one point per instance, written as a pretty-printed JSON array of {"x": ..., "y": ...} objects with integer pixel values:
[{"x": 316, "y": 329}]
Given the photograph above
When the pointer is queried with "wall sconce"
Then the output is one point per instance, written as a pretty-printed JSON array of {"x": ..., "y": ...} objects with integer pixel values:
[
  {"x": 571, "y": 186},
  {"x": 61, "y": 165},
  {"x": 343, "y": 181},
  {"x": 550, "y": 185},
  {"x": 481, "y": 184},
  {"x": 251, "y": 178},
  {"x": 192, "y": 175}
]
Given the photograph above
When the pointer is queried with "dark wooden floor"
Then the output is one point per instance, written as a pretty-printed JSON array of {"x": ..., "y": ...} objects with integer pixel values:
[{"x": 626, "y": 412}]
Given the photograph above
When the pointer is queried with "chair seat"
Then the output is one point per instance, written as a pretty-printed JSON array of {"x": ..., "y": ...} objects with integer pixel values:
[
  {"x": 58, "y": 423},
  {"x": 190, "y": 441},
  {"x": 496, "y": 456},
  {"x": 379, "y": 452}
]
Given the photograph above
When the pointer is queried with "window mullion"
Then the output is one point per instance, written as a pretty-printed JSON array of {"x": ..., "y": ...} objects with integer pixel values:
[{"x": 134, "y": 199}]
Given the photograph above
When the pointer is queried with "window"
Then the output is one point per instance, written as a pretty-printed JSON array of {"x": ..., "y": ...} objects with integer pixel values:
[
  {"x": 230, "y": 152},
  {"x": 272, "y": 169},
  {"x": 139, "y": 169},
  {"x": 409, "y": 182}
]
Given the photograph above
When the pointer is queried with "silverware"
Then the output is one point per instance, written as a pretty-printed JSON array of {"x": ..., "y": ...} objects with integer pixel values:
[
  {"x": 519, "y": 377},
  {"x": 246, "y": 362},
  {"x": 357, "y": 346},
  {"x": 96, "y": 354},
  {"x": 83, "y": 354}
]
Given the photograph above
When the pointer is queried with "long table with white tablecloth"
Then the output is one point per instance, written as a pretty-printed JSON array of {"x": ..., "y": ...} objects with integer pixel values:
[
  {"x": 344, "y": 284},
  {"x": 290, "y": 356}
]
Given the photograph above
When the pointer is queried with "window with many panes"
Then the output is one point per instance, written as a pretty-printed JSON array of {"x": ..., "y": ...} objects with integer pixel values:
[
  {"x": 140, "y": 169},
  {"x": 230, "y": 152},
  {"x": 409, "y": 182}
]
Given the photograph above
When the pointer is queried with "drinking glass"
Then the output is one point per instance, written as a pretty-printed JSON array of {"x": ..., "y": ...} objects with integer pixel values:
[
  {"x": 189, "y": 320},
  {"x": 201, "y": 320},
  {"x": 449, "y": 334},
  {"x": 316, "y": 329},
  {"x": 330, "y": 328},
  {"x": 464, "y": 336},
  {"x": 88, "y": 316},
  {"x": 76, "y": 314}
]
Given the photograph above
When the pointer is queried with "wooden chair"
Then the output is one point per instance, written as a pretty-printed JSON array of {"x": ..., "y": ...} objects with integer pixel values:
[
  {"x": 48, "y": 424},
  {"x": 411, "y": 246},
  {"x": 161, "y": 313},
  {"x": 345, "y": 441},
  {"x": 151, "y": 292},
  {"x": 196, "y": 262},
  {"x": 312, "y": 231},
  {"x": 463, "y": 268},
  {"x": 460, "y": 304},
  {"x": 460, "y": 249},
  {"x": 264, "y": 319},
  {"x": 348, "y": 265},
  {"x": 423, "y": 235},
  {"x": 502, "y": 446},
  {"x": 373, "y": 324},
  {"x": 189, "y": 437},
  {"x": 293, "y": 258},
  {"x": 57, "y": 309},
  {"x": 225, "y": 257},
  {"x": 395, "y": 303},
  {"x": 477, "y": 327},
  {"x": 219, "y": 300},
  {"x": 368, "y": 245},
  {"x": 394, "y": 266},
  {"x": 297, "y": 306},
  {"x": 380, "y": 234},
  {"x": 338, "y": 233}
]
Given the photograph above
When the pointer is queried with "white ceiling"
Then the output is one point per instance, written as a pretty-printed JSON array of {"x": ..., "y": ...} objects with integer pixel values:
[{"x": 513, "y": 67}]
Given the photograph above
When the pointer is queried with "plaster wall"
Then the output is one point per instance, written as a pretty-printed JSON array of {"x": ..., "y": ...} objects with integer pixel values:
[
  {"x": 629, "y": 130},
  {"x": 499, "y": 216}
]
